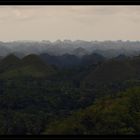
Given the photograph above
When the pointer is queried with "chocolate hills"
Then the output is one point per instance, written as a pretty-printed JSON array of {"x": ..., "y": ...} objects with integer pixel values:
[
  {"x": 44, "y": 94},
  {"x": 31, "y": 65},
  {"x": 114, "y": 70}
]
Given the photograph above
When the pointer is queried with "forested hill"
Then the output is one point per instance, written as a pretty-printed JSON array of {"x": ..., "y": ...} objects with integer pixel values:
[{"x": 43, "y": 94}]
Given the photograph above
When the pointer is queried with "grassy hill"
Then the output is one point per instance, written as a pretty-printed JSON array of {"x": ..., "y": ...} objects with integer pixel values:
[
  {"x": 30, "y": 65},
  {"x": 113, "y": 71},
  {"x": 9, "y": 62}
]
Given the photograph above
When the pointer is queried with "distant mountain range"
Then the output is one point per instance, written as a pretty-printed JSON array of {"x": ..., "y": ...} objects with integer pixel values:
[{"x": 78, "y": 48}]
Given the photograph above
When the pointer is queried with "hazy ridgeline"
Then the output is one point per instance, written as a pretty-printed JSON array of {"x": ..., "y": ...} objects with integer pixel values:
[{"x": 78, "y": 48}]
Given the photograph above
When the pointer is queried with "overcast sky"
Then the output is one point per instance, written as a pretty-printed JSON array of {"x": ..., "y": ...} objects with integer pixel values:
[{"x": 69, "y": 22}]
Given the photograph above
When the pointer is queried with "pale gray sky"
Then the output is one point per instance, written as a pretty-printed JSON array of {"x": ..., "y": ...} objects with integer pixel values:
[{"x": 69, "y": 22}]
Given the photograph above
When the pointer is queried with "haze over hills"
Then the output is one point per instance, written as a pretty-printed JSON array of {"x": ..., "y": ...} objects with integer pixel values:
[{"x": 79, "y": 48}]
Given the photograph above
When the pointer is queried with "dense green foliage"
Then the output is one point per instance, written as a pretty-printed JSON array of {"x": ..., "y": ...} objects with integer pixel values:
[
  {"x": 120, "y": 115},
  {"x": 37, "y": 98}
]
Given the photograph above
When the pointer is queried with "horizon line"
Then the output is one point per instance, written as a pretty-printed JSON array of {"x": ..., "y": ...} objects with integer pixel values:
[{"x": 64, "y": 40}]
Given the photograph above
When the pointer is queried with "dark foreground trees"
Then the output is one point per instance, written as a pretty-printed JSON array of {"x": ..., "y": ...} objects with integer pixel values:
[{"x": 115, "y": 116}]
